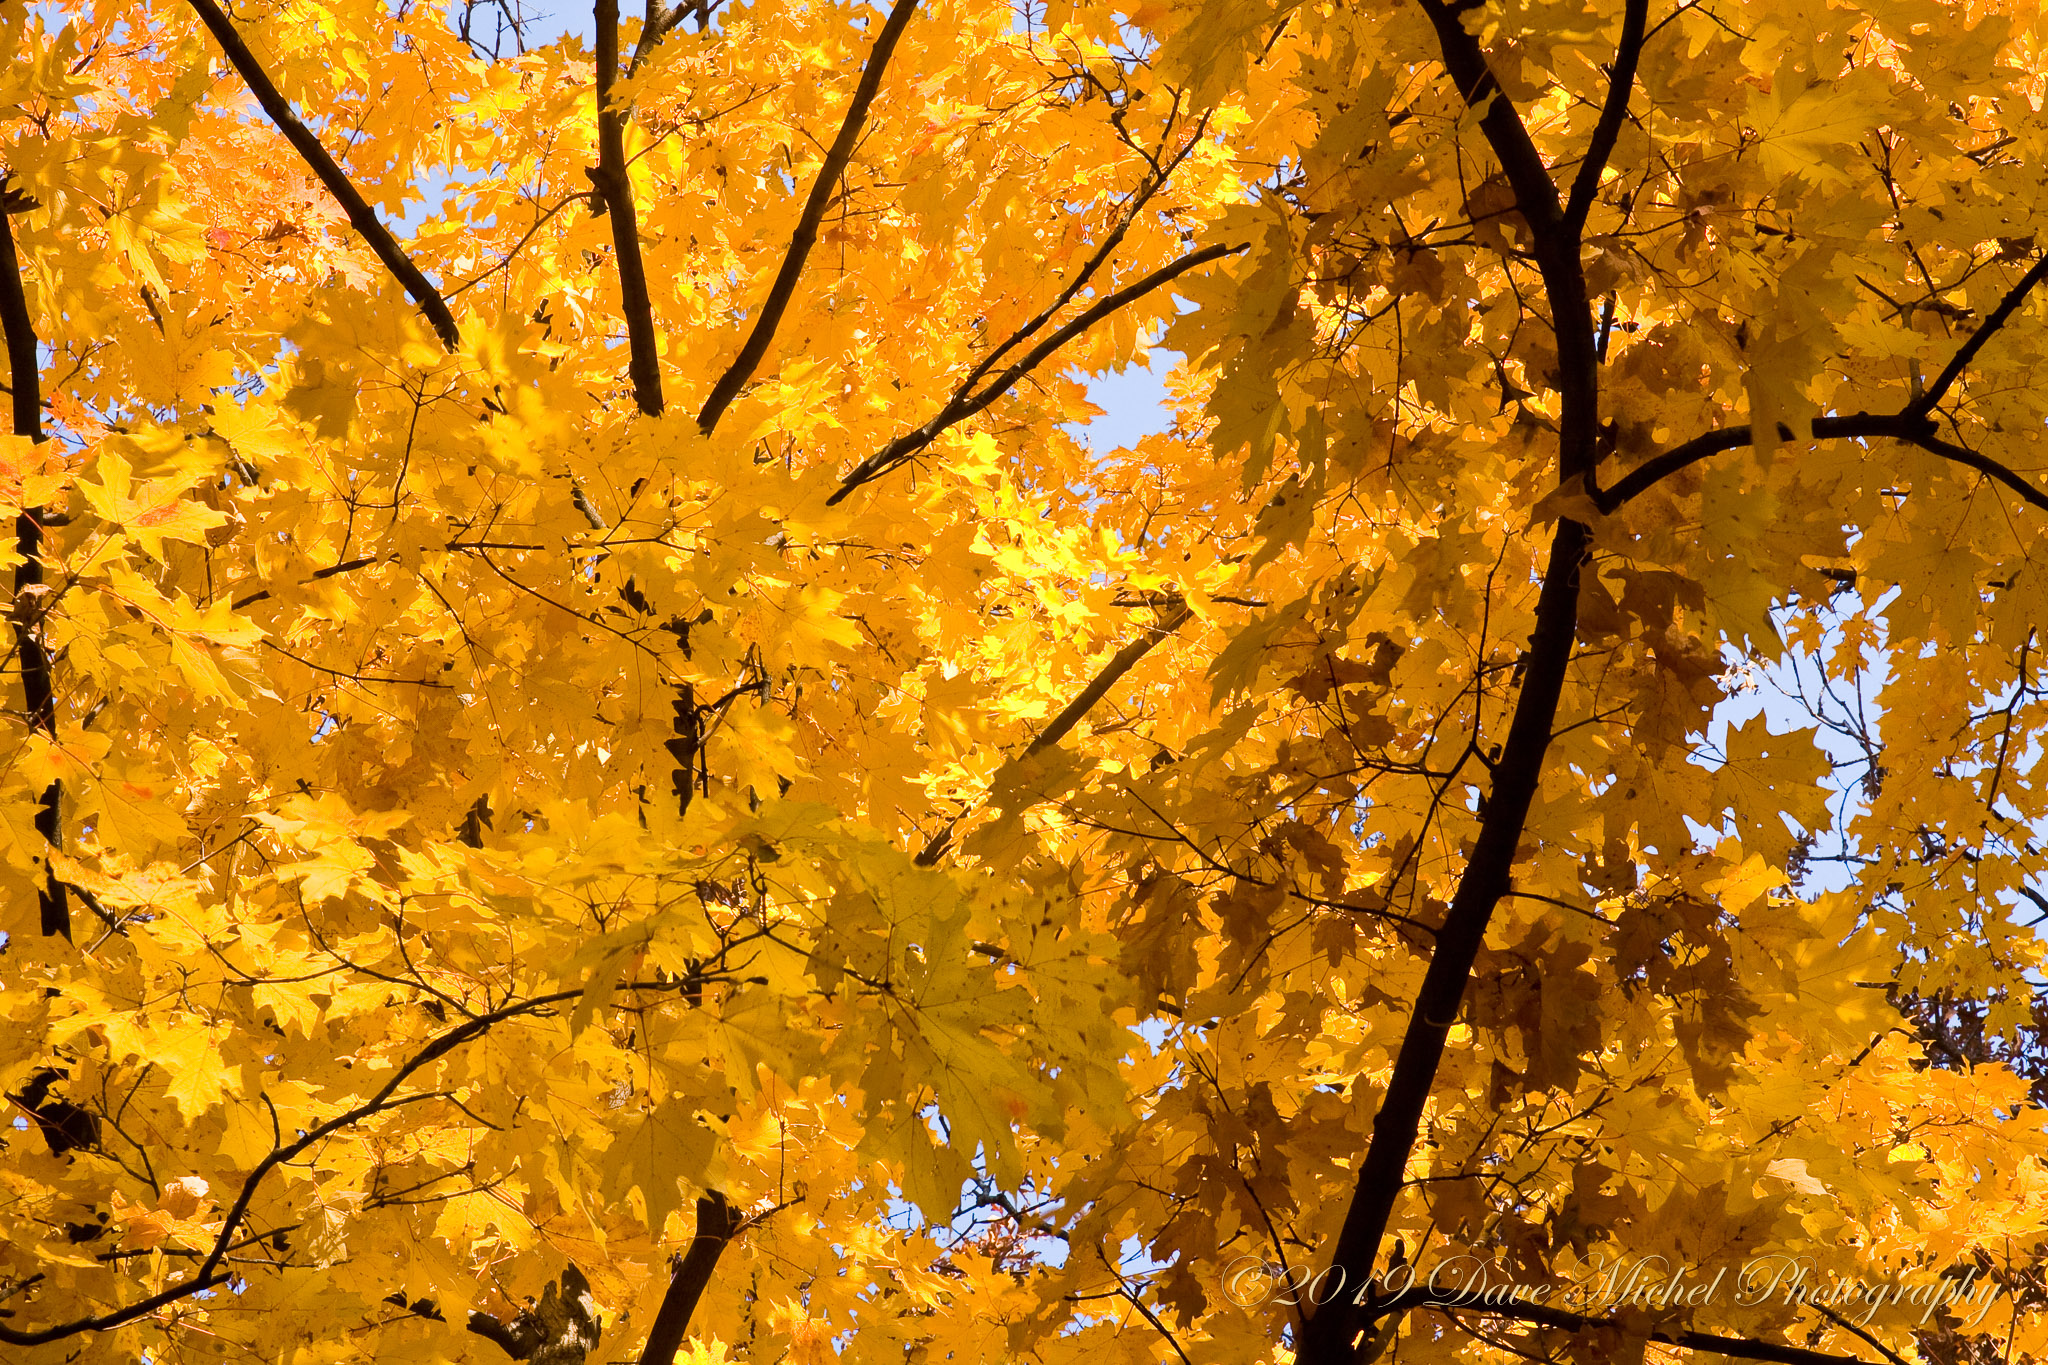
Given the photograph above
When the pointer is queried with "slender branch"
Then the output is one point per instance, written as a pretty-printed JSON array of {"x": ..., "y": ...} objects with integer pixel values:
[
  {"x": 1327, "y": 1338},
  {"x": 1913, "y": 424},
  {"x": 718, "y": 1222},
  {"x": 1983, "y": 464},
  {"x": 806, "y": 235},
  {"x": 1960, "y": 361},
  {"x": 574, "y": 197},
  {"x": 210, "y": 1272},
  {"x": 1535, "y": 194},
  {"x": 1071, "y": 714},
  {"x": 615, "y": 185},
  {"x": 345, "y": 566},
  {"x": 433, "y": 1052},
  {"x": 365, "y": 561},
  {"x": 1120, "y": 663},
  {"x": 360, "y": 215},
  {"x": 659, "y": 23},
  {"x": 1634, "y": 16},
  {"x": 38, "y": 694},
  {"x": 964, "y": 403},
  {"x": 1909, "y": 426},
  {"x": 1867, "y": 1337},
  {"x": 1556, "y": 235},
  {"x": 1150, "y": 186},
  {"x": 1739, "y": 1348},
  {"x": 1133, "y": 1298}
]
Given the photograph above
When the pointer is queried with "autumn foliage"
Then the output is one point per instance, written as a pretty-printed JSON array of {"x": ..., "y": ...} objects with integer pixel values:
[{"x": 596, "y": 768}]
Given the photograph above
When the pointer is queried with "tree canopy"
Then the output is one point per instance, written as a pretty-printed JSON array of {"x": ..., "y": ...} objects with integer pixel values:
[{"x": 602, "y": 771}]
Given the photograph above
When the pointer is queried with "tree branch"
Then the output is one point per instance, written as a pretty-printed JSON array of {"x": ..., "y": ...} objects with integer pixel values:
[
  {"x": 1120, "y": 663},
  {"x": 38, "y": 694},
  {"x": 717, "y": 1224},
  {"x": 1327, "y": 1337},
  {"x": 614, "y": 185},
  {"x": 659, "y": 23},
  {"x": 1071, "y": 714},
  {"x": 1141, "y": 196},
  {"x": 1556, "y": 235},
  {"x": 360, "y": 215},
  {"x": 210, "y": 1272},
  {"x": 1634, "y": 16},
  {"x": 1535, "y": 194},
  {"x": 1381, "y": 1175},
  {"x": 964, "y": 403},
  {"x": 806, "y": 235},
  {"x": 1909, "y": 426},
  {"x": 1136, "y": 1300},
  {"x": 1913, "y": 424},
  {"x": 1960, "y": 361},
  {"x": 345, "y": 566},
  {"x": 1739, "y": 1348},
  {"x": 1865, "y": 1335},
  {"x": 1660, "y": 467},
  {"x": 1983, "y": 464}
]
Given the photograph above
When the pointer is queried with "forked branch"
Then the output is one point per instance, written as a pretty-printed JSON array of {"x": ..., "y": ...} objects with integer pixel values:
[
  {"x": 1967, "y": 352},
  {"x": 1914, "y": 424},
  {"x": 1556, "y": 233},
  {"x": 1908, "y": 426},
  {"x": 1328, "y": 1337},
  {"x": 1106, "y": 248}
]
